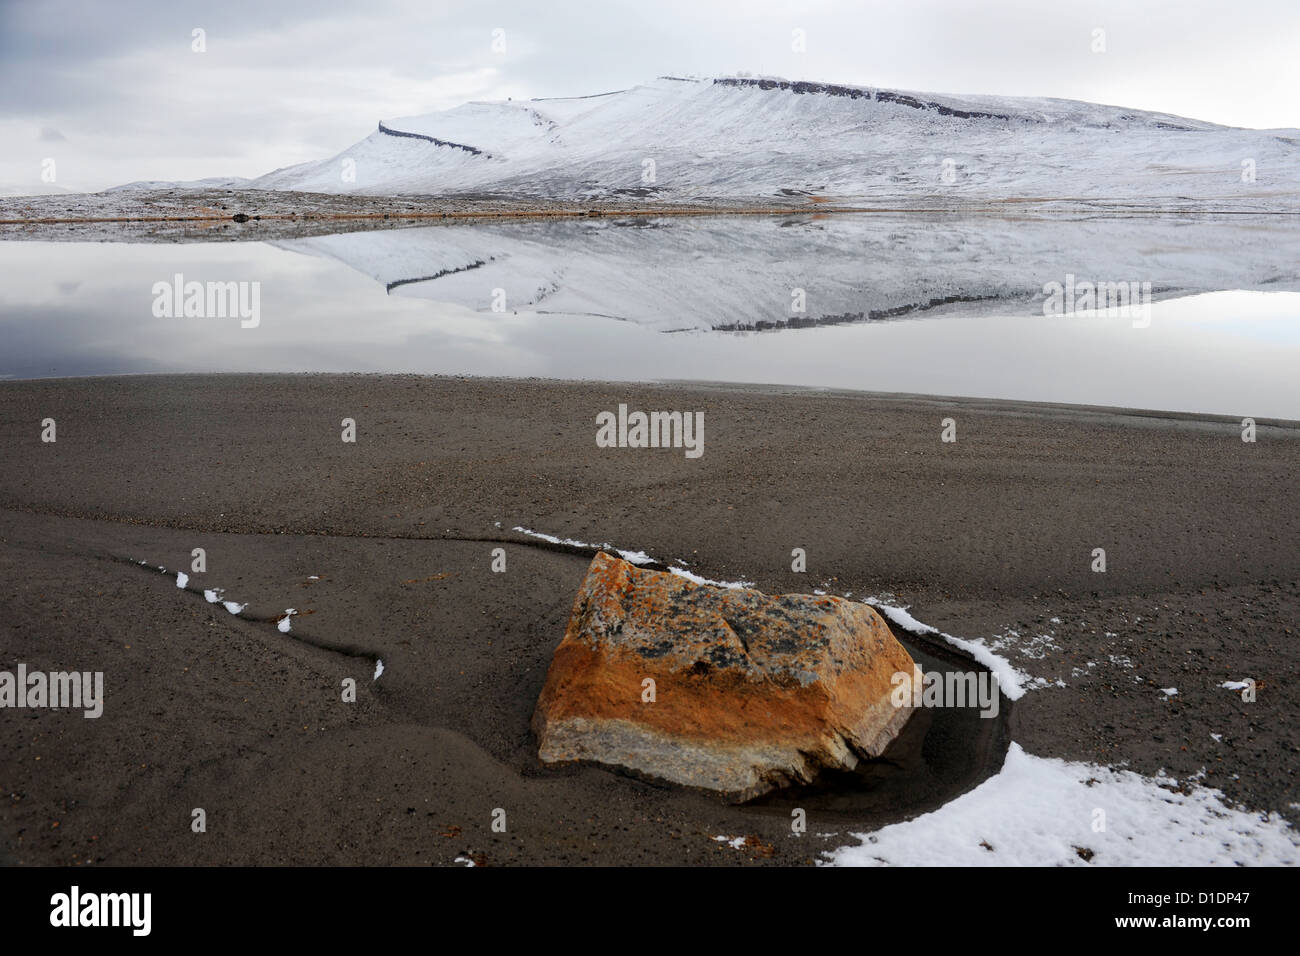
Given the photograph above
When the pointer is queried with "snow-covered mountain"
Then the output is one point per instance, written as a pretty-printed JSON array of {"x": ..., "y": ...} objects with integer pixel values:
[{"x": 739, "y": 138}]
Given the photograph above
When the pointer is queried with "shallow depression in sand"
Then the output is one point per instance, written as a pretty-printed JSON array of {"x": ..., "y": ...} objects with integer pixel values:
[{"x": 941, "y": 753}]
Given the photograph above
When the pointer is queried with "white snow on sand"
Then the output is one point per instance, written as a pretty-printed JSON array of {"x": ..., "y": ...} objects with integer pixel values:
[
  {"x": 631, "y": 557},
  {"x": 211, "y": 595},
  {"x": 379, "y": 669},
  {"x": 635, "y": 557},
  {"x": 1235, "y": 684},
  {"x": 1012, "y": 682},
  {"x": 1041, "y": 811},
  {"x": 214, "y": 596},
  {"x": 283, "y": 624},
  {"x": 696, "y": 579}
]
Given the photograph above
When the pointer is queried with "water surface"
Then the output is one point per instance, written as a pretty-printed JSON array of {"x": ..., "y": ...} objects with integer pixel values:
[{"x": 910, "y": 304}]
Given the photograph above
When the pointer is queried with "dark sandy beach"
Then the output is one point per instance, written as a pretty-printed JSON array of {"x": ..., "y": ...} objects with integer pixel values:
[{"x": 384, "y": 549}]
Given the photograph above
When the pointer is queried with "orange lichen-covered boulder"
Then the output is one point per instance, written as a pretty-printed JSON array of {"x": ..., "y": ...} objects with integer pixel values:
[{"x": 727, "y": 690}]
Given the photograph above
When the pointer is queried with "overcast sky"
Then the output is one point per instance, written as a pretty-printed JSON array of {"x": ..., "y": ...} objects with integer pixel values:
[{"x": 114, "y": 92}]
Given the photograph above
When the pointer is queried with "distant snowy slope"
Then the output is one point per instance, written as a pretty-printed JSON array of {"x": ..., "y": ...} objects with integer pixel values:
[
  {"x": 212, "y": 182},
  {"x": 34, "y": 189},
  {"x": 742, "y": 138}
]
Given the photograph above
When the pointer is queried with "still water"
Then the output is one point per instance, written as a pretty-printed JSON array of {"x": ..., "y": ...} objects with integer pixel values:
[{"x": 905, "y": 304}]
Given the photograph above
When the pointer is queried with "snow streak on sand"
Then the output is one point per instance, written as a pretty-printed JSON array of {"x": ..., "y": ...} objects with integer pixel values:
[
  {"x": 1011, "y": 681},
  {"x": 631, "y": 557},
  {"x": 213, "y": 596},
  {"x": 1041, "y": 811},
  {"x": 696, "y": 579},
  {"x": 635, "y": 557}
]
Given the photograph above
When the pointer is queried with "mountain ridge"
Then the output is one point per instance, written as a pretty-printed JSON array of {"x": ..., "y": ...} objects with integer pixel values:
[{"x": 738, "y": 137}]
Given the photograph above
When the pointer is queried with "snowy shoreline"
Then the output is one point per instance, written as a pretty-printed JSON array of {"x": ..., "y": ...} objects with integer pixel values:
[{"x": 180, "y": 213}]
